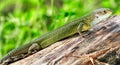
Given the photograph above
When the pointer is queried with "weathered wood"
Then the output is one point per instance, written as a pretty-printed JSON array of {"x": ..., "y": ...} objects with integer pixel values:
[{"x": 100, "y": 46}]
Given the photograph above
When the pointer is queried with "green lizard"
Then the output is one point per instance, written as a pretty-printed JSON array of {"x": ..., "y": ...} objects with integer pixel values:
[{"x": 77, "y": 26}]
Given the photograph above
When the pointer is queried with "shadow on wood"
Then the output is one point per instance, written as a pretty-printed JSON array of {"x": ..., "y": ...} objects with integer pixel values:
[{"x": 100, "y": 46}]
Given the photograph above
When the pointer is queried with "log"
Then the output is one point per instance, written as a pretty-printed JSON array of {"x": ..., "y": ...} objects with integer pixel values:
[{"x": 99, "y": 46}]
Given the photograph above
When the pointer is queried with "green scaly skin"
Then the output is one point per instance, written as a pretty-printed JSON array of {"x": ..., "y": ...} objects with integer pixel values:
[{"x": 77, "y": 26}]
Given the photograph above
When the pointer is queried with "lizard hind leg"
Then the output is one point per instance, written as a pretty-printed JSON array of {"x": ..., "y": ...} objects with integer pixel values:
[{"x": 33, "y": 48}]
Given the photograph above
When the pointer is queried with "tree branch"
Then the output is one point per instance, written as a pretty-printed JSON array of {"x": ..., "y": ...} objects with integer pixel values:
[{"x": 100, "y": 46}]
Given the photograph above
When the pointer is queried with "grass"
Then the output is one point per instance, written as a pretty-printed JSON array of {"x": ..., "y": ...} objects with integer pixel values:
[{"x": 22, "y": 21}]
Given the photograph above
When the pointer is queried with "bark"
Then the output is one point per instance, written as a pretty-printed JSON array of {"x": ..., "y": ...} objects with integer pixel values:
[{"x": 99, "y": 46}]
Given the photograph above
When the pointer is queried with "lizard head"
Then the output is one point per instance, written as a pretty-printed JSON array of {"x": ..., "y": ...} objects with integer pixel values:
[{"x": 101, "y": 14}]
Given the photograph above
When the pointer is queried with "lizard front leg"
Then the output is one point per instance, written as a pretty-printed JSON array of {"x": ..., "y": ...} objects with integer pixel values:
[
  {"x": 80, "y": 27},
  {"x": 83, "y": 27}
]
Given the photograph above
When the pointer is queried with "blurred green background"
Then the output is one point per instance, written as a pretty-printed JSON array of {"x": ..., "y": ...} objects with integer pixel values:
[{"x": 24, "y": 20}]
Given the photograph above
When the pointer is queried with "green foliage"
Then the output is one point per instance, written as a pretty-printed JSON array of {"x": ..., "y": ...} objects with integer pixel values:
[{"x": 22, "y": 21}]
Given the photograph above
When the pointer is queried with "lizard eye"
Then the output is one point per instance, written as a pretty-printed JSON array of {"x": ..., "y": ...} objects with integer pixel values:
[{"x": 104, "y": 11}]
